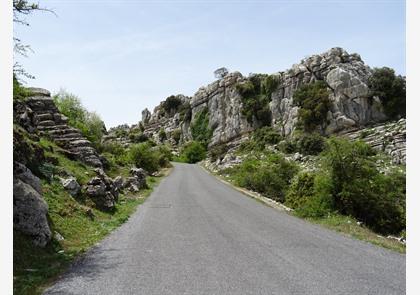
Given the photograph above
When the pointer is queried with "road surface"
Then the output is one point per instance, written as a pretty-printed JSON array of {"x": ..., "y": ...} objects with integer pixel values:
[{"x": 196, "y": 235}]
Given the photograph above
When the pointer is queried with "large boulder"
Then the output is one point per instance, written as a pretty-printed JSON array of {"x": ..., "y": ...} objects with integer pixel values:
[{"x": 30, "y": 212}]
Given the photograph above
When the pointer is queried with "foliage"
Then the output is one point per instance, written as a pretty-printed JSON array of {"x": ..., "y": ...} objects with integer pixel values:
[
  {"x": 221, "y": 72},
  {"x": 200, "y": 130},
  {"x": 390, "y": 89},
  {"x": 256, "y": 96},
  {"x": 143, "y": 156},
  {"x": 218, "y": 152},
  {"x": 19, "y": 92},
  {"x": 115, "y": 153},
  {"x": 304, "y": 143},
  {"x": 192, "y": 152},
  {"x": 137, "y": 137},
  {"x": 162, "y": 135},
  {"x": 360, "y": 190},
  {"x": 171, "y": 104},
  {"x": 313, "y": 100},
  {"x": 260, "y": 139},
  {"x": 89, "y": 123},
  {"x": 176, "y": 135},
  {"x": 164, "y": 155},
  {"x": 269, "y": 174},
  {"x": 310, "y": 195},
  {"x": 185, "y": 112}
]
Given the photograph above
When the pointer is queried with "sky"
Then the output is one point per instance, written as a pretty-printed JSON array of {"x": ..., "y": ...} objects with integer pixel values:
[{"x": 120, "y": 57}]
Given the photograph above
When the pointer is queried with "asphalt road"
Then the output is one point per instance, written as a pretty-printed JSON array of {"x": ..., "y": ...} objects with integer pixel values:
[{"x": 196, "y": 235}]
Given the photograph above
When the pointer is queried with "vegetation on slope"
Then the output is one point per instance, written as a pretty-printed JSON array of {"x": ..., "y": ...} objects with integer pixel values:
[
  {"x": 390, "y": 89},
  {"x": 256, "y": 95}
]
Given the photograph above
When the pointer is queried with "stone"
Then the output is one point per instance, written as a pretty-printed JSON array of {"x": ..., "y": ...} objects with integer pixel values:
[
  {"x": 118, "y": 183},
  {"x": 71, "y": 185},
  {"x": 21, "y": 172},
  {"x": 30, "y": 213}
]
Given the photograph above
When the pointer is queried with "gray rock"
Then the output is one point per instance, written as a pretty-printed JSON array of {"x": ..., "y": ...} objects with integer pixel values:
[
  {"x": 118, "y": 183},
  {"x": 71, "y": 185},
  {"x": 30, "y": 213},
  {"x": 21, "y": 172}
]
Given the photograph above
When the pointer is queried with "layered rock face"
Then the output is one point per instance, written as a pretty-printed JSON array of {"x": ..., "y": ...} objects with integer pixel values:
[
  {"x": 345, "y": 74},
  {"x": 39, "y": 112}
]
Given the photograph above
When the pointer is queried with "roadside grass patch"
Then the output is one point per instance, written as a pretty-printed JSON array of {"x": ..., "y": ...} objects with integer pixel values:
[{"x": 80, "y": 225}]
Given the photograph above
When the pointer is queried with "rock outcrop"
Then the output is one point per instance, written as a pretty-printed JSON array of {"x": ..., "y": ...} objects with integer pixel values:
[
  {"x": 102, "y": 191},
  {"x": 389, "y": 138},
  {"x": 39, "y": 112},
  {"x": 29, "y": 208},
  {"x": 346, "y": 75}
]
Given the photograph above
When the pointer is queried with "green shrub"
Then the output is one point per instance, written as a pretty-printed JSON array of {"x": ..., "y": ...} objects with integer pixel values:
[
  {"x": 256, "y": 95},
  {"x": 310, "y": 195},
  {"x": 200, "y": 130},
  {"x": 270, "y": 175},
  {"x": 176, "y": 135},
  {"x": 304, "y": 143},
  {"x": 162, "y": 135},
  {"x": 390, "y": 89},
  {"x": 143, "y": 156},
  {"x": 361, "y": 191},
  {"x": 89, "y": 123},
  {"x": 260, "y": 139},
  {"x": 185, "y": 112},
  {"x": 171, "y": 104},
  {"x": 164, "y": 155},
  {"x": 19, "y": 92},
  {"x": 193, "y": 152},
  {"x": 218, "y": 152},
  {"x": 314, "y": 104},
  {"x": 137, "y": 137},
  {"x": 115, "y": 153}
]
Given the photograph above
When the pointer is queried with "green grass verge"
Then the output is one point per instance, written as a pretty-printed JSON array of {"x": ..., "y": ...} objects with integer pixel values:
[
  {"x": 339, "y": 223},
  {"x": 35, "y": 268}
]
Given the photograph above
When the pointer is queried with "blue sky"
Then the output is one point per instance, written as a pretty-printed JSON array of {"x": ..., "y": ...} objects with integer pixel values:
[{"x": 122, "y": 56}]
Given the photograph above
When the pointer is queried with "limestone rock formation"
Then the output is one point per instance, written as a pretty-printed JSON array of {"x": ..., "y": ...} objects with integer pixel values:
[
  {"x": 29, "y": 208},
  {"x": 346, "y": 75},
  {"x": 102, "y": 191},
  {"x": 39, "y": 112},
  {"x": 137, "y": 181}
]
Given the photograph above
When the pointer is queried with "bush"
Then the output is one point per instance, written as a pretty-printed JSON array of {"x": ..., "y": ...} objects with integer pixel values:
[
  {"x": 176, "y": 135},
  {"x": 114, "y": 152},
  {"x": 390, "y": 89},
  {"x": 89, "y": 123},
  {"x": 310, "y": 195},
  {"x": 164, "y": 155},
  {"x": 19, "y": 92},
  {"x": 137, "y": 137},
  {"x": 162, "y": 135},
  {"x": 142, "y": 156},
  {"x": 218, "y": 152},
  {"x": 256, "y": 96},
  {"x": 171, "y": 104},
  {"x": 270, "y": 176},
  {"x": 304, "y": 143},
  {"x": 313, "y": 100},
  {"x": 361, "y": 191},
  {"x": 260, "y": 139},
  {"x": 200, "y": 130},
  {"x": 193, "y": 152}
]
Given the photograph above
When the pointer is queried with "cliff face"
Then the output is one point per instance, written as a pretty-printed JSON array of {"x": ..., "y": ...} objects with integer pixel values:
[{"x": 345, "y": 74}]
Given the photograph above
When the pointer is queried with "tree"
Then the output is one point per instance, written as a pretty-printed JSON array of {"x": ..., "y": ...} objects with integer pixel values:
[
  {"x": 21, "y": 8},
  {"x": 221, "y": 72},
  {"x": 390, "y": 89},
  {"x": 313, "y": 100}
]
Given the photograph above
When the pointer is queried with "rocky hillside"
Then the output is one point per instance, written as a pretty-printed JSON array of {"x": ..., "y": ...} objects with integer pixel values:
[{"x": 225, "y": 101}]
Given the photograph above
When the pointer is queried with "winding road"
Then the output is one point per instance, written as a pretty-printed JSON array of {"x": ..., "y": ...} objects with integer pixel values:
[{"x": 197, "y": 235}]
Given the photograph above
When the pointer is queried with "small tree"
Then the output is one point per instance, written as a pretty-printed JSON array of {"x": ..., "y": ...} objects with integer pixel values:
[
  {"x": 221, "y": 72},
  {"x": 390, "y": 89}
]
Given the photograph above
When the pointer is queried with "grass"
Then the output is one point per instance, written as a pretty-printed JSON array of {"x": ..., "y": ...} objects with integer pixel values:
[
  {"x": 339, "y": 223},
  {"x": 35, "y": 268}
]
